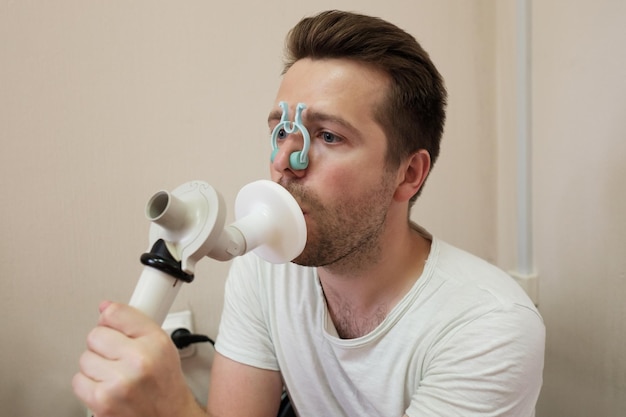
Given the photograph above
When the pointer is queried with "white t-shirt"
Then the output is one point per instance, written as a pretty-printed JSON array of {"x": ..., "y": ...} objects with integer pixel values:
[{"x": 465, "y": 341}]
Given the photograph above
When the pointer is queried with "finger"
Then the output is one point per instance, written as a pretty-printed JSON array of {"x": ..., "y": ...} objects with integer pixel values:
[
  {"x": 96, "y": 367},
  {"x": 84, "y": 388},
  {"x": 97, "y": 396},
  {"x": 127, "y": 320},
  {"x": 107, "y": 342}
]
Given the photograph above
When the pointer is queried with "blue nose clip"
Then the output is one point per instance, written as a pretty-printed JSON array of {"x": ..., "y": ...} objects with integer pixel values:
[{"x": 300, "y": 159}]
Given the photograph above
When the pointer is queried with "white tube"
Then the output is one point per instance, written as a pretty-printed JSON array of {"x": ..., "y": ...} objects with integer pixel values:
[
  {"x": 524, "y": 125},
  {"x": 167, "y": 210},
  {"x": 257, "y": 227},
  {"x": 231, "y": 243},
  {"x": 155, "y": 292}
]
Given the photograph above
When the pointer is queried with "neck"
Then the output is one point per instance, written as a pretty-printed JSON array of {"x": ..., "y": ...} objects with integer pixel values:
[{"x": 361, "y": 291}]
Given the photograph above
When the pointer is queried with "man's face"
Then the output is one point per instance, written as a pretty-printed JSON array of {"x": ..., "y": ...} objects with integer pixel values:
[{"x": 346, "y": 190}]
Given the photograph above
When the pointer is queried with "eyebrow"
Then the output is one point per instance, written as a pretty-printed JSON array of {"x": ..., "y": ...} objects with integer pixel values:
[{"x": 311, "y": 116}]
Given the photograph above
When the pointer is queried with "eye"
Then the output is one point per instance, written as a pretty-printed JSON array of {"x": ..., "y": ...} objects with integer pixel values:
[
  {"x": 328, "y": 137},
  {"x": 281, "y": 134}
]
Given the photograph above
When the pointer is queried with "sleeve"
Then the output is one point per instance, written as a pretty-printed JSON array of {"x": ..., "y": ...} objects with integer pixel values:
[
  {"x": 489, "y": 366},
  {"x": 243, "y": 334}
]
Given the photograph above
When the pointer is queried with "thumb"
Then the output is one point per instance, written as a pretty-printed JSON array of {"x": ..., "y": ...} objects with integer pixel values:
[{"x": 103, "y": 305}]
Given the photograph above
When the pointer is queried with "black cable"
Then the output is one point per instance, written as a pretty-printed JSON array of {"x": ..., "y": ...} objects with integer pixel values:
[{"x": 183, "y": 338}]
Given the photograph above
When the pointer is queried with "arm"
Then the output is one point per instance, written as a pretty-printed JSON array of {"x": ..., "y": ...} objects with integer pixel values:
[
  {"x": 242, "y": 390},
  {"x": 245, "y": 376},
  {"x": 131, "y": 368}
]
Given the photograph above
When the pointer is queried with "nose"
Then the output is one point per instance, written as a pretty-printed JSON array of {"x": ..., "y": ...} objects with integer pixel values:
[
  {"x": 291, "y": 160},
  {"x": 286, "y": 156}
]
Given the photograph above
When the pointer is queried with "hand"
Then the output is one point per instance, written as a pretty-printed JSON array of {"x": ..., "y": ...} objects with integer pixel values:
[{"x": 131, "y": 368}]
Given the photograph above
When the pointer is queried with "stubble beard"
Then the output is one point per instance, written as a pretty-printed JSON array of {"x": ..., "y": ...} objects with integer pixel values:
[{"x": 343, "y": 236}]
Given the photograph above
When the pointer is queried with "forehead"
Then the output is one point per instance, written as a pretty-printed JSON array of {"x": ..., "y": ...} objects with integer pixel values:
[{"x": 334, "y": 86}]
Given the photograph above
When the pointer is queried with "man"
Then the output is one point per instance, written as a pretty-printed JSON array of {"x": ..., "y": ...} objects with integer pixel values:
[{"x": 376, "y": 317}]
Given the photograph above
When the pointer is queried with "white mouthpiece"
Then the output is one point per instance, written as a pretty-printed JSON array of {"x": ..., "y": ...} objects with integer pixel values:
[{"x": 271, "y": 221}]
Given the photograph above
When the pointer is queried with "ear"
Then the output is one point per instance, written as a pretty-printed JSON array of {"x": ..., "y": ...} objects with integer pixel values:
[{"x": 412, "y": 174}]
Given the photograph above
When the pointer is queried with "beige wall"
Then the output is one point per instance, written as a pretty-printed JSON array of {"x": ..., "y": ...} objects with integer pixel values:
[
  {"x": 104, "y": 103},
  {"x": 580, "y": 203}
]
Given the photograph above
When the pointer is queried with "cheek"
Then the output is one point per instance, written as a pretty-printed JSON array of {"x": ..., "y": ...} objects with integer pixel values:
[
  {"x": 345, "y": 159},
  {"x": 340, "y": 183},
  {"x": 274, "y": 175}
]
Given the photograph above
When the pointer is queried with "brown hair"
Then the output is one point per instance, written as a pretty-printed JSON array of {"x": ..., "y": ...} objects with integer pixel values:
[{"x": 413, "y": 114}]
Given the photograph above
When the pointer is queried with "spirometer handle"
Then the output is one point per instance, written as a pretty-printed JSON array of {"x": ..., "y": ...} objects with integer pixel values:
[
  {"x": 155, "y": 292},
  {"x": 159, "y": 282}
]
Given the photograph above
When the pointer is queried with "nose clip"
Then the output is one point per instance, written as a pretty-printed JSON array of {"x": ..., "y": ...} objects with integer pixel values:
[{"x": 300, "y": 159}]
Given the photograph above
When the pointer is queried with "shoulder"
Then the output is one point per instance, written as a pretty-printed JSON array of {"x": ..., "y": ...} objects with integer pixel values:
[
  {"x": 463, "y": 272},
  {"x": 465, "y": 295}
]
